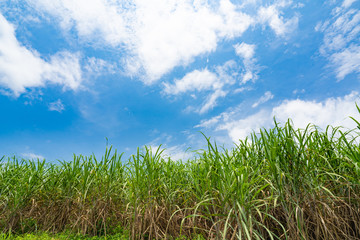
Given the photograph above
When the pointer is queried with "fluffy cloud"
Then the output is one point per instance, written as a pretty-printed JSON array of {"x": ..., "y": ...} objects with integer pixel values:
[
  {"x": 153, "y": 37},
  {"x": 203, "y": 80},
  {"x": 215, "y": 82},
  {"x": 158, "y": 35},
  {"x": 331, "y": 111},
  {"x": 22, "y": 68},
  {"x": 162, "y": 34},
  {"x": 196, "y": 80},
  {"x": 340, "y": 44},
  {"x": 247, "y": 52},
  {"x": 271, "y": 15},
  {"x": 176, "y": 32},
  {"x": 241, "y": 128},
  {"x": 219, "y": 80},
  {"x": 90, "y": 19}
]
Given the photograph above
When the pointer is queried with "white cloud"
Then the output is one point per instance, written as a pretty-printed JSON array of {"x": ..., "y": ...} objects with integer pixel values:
[
  {"x": 242, "y": 89},
  {"x": 57, "y": 106},
  {"x": 177, "y": 153},
  {"x": 271, "y": 15},
  {"x": 32, "y": 156},
  {"x": 234, "y": 21},
  {"x": 215, "y": 81},
  {"x": 244, "y": 50},
  {"x": 208, "y": 123},
  {"x": 267, "y": 96},
  {"x": 158, "y": 35},
  {"x": 203, "y": 80},
  {"x": 298, "y": 91},
  {"x": 347, "y": 61},
  {"x": 331, "y": 111},
  {"x": 210, "y": 102},
  {"x": 341, "y": 33},
  {"x": 97, "y": 66},
  {"x": 347, "y": 3},
  {"x": 174, "y": 151},
  {"x": 299, "y": 5},
  {"x": 172, "y": 33},
  {"x": 22, "y": 68},
  {"x": 247, "y": 52},
  {"x": 228, "y": 72},
  {"x": 91, "y": 19},
  {"x": 194, "y": 81},
  {"x": 240, "y": 129}
]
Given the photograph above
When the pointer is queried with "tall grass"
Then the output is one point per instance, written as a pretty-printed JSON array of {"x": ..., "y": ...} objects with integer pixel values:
[{"x": 282, "y": 183}]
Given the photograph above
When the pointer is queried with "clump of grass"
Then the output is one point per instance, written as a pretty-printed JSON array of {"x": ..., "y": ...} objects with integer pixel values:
[{"x": 282, "y": 183}]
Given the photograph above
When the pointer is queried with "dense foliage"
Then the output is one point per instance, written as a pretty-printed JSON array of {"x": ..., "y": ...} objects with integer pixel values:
[{"x": 282, "y": 183}]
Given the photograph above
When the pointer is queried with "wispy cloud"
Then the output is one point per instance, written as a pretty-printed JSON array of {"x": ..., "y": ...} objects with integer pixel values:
[
  {"x": 210, "y": 101},
  {"x": 57, "y": 106},
  {"x": 246, "y": 52},
  {"x": 32, "y": 156},
  {"x": 170, "y": 149},
  {"x": 340, "y": 34},
  {"x": 22, "y": 68},
  {"x": 347, "y": 3},
  {"x": 267, "y": 96},
  {"x": 346, "y": 61},
  {"x": 96, "y": 66},
  {"x": 177, "y": 153}
]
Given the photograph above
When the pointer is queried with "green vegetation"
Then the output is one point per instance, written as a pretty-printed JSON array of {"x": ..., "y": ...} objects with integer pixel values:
[
  {"x": 61, "y": 236},
  {"x": 282, "y": 183}
]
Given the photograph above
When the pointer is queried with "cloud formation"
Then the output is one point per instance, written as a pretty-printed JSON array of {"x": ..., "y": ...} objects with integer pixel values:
[
  {"x": 340, "y": 43},
  {"x": 162, "y": 34},
  {"x": 22, "y": 68},
  {"x": 267, "y": 96},
  {"x": 215, "y": 83},
  {"x": 331, "y": 111},
  {"x": 32, "y": 156},
  {"x": 246, "y": 52},
  {"x": 196, "y": 80},
  {"x": 176, "y": 153},
  {"x": 57, "y": 106},
  {"x": 90, "y": 19},
  {"x": 346, "y": 61},
  {"x": 272, "y": 16},
  {"x": 219, "y": 79}
]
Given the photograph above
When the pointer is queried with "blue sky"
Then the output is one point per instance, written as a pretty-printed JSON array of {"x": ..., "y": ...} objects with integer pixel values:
[{"x": 73, "y": 73}]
